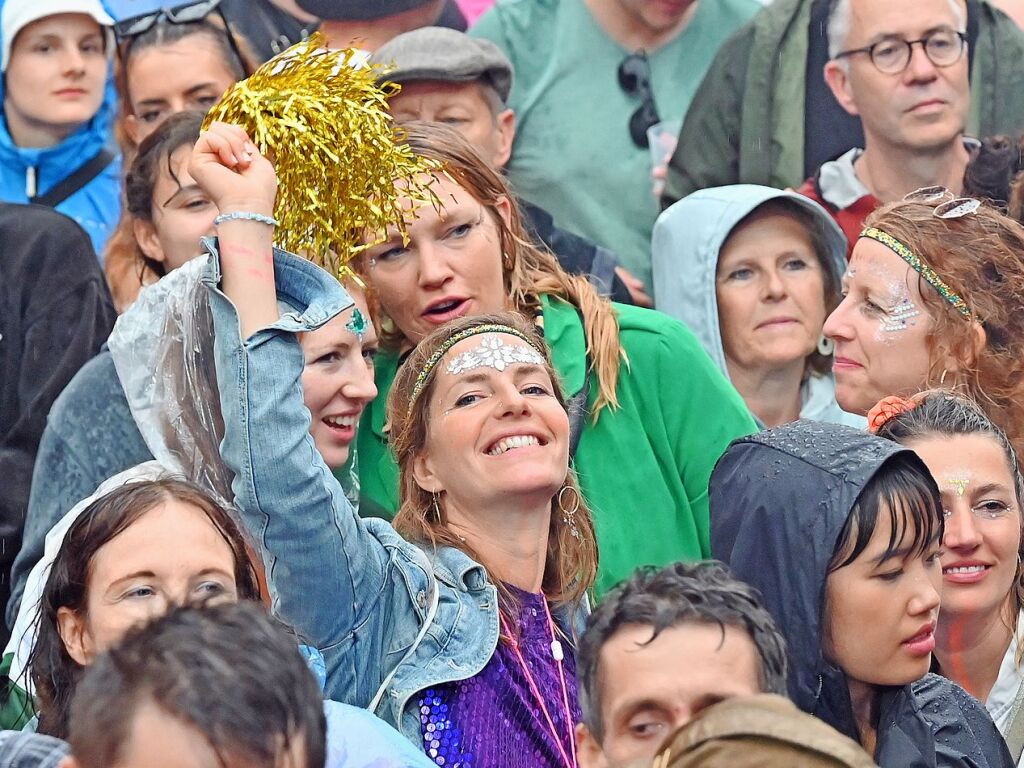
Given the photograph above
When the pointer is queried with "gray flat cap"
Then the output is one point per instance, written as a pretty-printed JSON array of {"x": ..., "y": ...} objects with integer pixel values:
[{"x": 436, "y": 53}]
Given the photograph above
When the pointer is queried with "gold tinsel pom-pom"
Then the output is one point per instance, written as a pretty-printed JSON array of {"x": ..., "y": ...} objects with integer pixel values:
[{"x": 321, "y": 117}]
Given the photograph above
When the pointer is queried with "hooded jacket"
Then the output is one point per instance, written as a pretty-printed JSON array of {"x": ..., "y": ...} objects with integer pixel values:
[
  {"x": 96, "y": 206},
  {"x": 686, "y": 244},
  {"x": 779, "y": 500}
]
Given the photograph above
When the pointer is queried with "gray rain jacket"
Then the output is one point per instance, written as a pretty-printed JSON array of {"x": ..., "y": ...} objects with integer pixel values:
[
  {"x": 779, "y": 500},
  {"x": 685, "y": 246}
]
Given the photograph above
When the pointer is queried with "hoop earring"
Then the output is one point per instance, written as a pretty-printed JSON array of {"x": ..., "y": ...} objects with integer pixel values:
[
  {"x": 569, "y": 515},
  {"x": 437, "y": 508},
  {"x": 826, "y": 346},
  {"x": 942, "y": 378}
]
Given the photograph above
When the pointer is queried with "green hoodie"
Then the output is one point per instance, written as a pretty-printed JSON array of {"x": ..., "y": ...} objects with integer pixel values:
[{"x": 644, "y": 467}]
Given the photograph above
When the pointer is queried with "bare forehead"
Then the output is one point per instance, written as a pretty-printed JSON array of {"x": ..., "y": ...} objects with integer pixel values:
[{"x": 873, "y": 262}]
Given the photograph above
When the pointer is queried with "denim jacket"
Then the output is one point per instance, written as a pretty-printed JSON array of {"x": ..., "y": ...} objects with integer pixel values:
[{"x": 390, "y": 618}]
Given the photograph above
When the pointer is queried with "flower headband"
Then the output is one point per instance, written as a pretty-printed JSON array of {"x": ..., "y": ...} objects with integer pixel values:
[
  {"x": 451, "y": 341},
  {"x": 887, "y": 408},
  {"x": 929, "y": 274}
]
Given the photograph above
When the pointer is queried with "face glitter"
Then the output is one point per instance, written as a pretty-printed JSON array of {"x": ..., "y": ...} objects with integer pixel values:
[
  {"x": 958, "y": 482},
  {"x": 493, "y": 352}
]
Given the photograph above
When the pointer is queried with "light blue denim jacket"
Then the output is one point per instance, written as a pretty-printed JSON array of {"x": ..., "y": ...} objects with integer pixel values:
[{"x": 390, "y": 618}]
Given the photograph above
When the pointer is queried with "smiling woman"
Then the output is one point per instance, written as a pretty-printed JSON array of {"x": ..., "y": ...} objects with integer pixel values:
[
  {"x": 979, "y": 637},
  {"x": 493, "y": 546},
  {"x": 647, "y": 401}
]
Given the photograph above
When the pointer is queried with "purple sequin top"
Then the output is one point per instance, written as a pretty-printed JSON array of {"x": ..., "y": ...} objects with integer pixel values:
[{"x": 493, "y": 720}]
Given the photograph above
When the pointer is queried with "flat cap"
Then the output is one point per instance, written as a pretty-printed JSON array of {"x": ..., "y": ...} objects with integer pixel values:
[{"x": 436, "y": 53}]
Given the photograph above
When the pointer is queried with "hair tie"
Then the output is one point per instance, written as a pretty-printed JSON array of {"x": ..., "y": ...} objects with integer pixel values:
[{"x": 887, "y": 408}]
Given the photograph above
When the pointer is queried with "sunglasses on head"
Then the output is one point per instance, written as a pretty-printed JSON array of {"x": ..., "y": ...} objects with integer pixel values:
[
  {"x": 635, "y": 79},
  {"x": 127, "y": 30},
  {"x": 947, "y": 205}
]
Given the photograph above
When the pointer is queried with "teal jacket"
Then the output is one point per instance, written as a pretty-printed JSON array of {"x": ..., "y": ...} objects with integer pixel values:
[
  {"x": 746, "y": 121},
  {"x": 644, "y": 467}
]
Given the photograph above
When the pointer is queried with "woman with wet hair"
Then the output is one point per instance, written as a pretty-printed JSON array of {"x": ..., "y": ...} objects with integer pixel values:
[
  {"x": 978, "y": 638},
  {"x": 650, "y": 411},
  {"x": 841, "y": 532},
  {"x": 934, "y": 297},
  {"x": 457, "y": 624}
]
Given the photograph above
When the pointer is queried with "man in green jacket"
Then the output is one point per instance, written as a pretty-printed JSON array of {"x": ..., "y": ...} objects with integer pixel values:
[{"x": 764, "y": 115}]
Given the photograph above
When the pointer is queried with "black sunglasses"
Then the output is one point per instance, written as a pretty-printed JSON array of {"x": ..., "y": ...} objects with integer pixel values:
[
  {"x": 127, "y": 30},
  {"x": 635, "y": 79}
]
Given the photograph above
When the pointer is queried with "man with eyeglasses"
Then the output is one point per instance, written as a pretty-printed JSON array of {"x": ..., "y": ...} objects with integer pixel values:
[
  {"x": 902, "y": 69},
  {"x": 592, "y": 76},
  {"x": 765, "y": 115}
]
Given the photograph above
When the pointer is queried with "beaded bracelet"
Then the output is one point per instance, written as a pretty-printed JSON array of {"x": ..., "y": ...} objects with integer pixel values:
[{"x": 245, "y": 216}]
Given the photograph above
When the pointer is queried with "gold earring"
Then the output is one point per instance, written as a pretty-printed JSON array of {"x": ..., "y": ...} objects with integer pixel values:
[{"x": 569, "y": 515}]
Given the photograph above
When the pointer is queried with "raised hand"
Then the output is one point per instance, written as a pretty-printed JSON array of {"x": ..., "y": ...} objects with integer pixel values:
[{"x": 231, "y": 170}]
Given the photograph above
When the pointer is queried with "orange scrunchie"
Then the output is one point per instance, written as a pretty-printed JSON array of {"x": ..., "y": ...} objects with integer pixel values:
[{"x": 885, "y": 409}]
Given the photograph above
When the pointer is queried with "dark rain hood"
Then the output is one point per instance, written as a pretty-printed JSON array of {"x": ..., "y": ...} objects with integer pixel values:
[{"x": 779, "y": 500}]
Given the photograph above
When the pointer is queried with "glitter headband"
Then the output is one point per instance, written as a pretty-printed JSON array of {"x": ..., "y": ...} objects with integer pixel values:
[
  {"x": 451, "y": 341},
  {"x": 929, "y": 274}
]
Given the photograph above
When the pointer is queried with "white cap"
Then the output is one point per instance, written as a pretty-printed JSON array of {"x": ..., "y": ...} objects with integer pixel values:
[{"x": 18, "y": 14}]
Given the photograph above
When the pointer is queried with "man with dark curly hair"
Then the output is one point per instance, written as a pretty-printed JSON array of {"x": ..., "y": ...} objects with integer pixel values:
[{"x": 663, "y": 646}]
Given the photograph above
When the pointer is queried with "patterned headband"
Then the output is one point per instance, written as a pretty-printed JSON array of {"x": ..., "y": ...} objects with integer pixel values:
[
  {"x": 451, "y": 341},
  {"x": 929, "y": 274}
]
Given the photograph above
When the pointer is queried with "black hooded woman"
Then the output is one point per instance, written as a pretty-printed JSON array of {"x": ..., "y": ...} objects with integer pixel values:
[{"x": 841, "y": 533}]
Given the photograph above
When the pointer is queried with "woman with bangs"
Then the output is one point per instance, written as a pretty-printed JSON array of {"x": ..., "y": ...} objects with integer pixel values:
[
  {"x": 979, "y": 635},
  {"x": 841, "y": 532}
]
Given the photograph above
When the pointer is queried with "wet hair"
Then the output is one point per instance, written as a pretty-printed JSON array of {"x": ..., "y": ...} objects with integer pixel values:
[
  {"x": 164, "y": 33},
  {"x": 945, "y": 414},
  {"x": 571, "y": 564},
  {"x": 816, "y": 362},
  {"x": 903, "y": 489},
  {"x": 128, "y": 269},
  {"x": 229, "y": 672},
  {"x": 679, "y": 594},
  {"x": 529, "y": 271},
  {"x": 979, "y": 257},
  {"x": 55, "y": 675}
]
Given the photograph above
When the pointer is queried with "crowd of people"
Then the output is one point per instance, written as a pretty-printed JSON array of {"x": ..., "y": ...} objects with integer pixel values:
[{"x": 659, "y": 405}]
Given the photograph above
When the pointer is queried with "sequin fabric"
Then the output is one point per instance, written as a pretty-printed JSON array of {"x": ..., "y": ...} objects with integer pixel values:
[{"x": 493, "y": 720}]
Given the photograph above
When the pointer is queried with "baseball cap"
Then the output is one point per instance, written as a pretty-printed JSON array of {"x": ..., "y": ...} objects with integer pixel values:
[
  {"x": 18, "y": 14},
  {"x": 437, "y": 53}
]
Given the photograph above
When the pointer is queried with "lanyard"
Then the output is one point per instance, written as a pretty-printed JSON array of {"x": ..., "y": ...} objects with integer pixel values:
[{"x": 556, "y": 651}]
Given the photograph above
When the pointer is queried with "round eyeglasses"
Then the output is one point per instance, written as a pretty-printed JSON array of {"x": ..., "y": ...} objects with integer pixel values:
[{"x": 944, "y": 48}]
